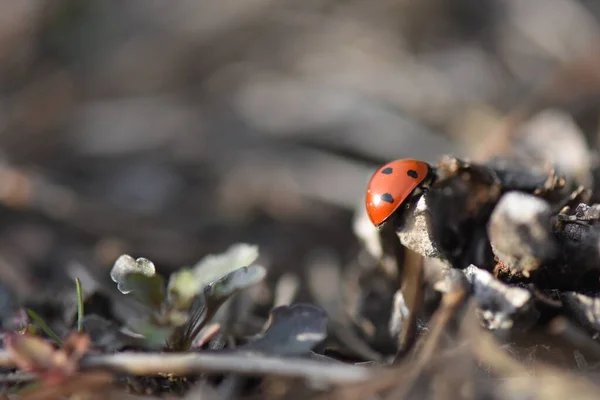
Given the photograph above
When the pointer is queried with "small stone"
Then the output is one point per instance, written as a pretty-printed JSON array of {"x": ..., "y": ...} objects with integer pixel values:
[
  {"x": 400, "y": 313},
  {"x": 584, "y": 308},
  {"x": 579, "y": 239},
  {"x": 554, "y": 136},
  {"x": 501, "y": 306},
  {"x": 520, "y": 232},
  {"x": 416, "y": 233},
  {"x": 453, "y": 279}
]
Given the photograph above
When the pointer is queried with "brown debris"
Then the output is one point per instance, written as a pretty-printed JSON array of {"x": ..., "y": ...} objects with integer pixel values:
[{"x": 55, "y": 366}]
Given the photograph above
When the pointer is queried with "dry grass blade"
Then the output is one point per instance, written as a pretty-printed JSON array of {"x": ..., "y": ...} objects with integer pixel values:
[
  {"x": 412, "y": 289},
  {"x": 403, "y": 376},
  {"x": 450, "y": 304},
  {"x": 485, "y": 348}
]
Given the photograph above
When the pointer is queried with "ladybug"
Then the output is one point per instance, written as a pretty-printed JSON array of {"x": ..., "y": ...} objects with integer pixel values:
[{"x": 394, "y": 185}]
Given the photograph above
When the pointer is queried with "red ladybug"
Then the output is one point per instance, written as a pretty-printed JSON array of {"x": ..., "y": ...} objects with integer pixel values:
[{"x": 393, "y": 184}]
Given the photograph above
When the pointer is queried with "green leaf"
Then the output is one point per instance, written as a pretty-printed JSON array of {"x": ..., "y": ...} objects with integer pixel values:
[
  {"x": 233, "y": 282},
  {"x": 139, "y": 277},
  {"x": 187, "y": 283},
  {"x": 125, "y": 266},
  {"x": 154, "y": 336},
  {"x": 195, "y": 318},
  {"x": 208, "y": 303},
  {"x": 293, "y": 331},
  {"x": 183, "y": 287},
  {"x": 147, "y": 289},
  {"x": 218, "y": 292},
  {"x": 213, "y": 267}
]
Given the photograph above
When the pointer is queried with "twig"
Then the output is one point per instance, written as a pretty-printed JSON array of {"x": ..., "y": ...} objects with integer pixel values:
[
  {"x": 405, "y": 374},
  {"x": 194, "y": 363},
  {"x": 246, "y": 364},
  {"x": 450, "y": 304},
  {"x": 486, "y": 349},
  {"x": 412, "y": 289}
]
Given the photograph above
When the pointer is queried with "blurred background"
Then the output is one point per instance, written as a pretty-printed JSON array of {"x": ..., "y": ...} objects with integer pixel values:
[{"x": 170, "y": 129}]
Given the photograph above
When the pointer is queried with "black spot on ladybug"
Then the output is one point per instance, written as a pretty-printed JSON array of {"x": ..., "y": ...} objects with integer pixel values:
[
  {"x": 412, "y": 173},
  {"x": 388, "y": 198},
  {"x": 387, "y": 170}
]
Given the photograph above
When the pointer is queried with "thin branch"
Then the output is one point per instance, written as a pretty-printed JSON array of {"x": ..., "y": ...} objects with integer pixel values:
[
  {"x": 246, "y": 364},
  {"x": 412, "y": 290},
  {"x": 193, "y": 363},
  {"x": 566, "y": 330}
]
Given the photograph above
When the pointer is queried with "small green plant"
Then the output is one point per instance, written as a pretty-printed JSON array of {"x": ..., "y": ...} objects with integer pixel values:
[
  {"x": 54, "y": 364},
  {"x": 179, "y": 309},
  {"x": 37, "y": 320}
]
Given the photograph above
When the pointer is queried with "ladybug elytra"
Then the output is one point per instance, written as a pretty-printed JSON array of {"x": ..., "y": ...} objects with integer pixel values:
[{"x": 393, "y": 184}]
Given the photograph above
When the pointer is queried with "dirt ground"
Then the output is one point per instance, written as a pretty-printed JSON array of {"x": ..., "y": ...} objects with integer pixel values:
[{"x": 170, "y": 130}]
